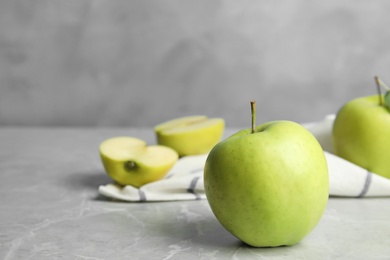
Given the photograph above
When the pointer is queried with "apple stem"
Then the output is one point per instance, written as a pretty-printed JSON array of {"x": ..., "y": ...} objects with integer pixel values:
[
  {"x": 379, "y": 84},
  {"x": 378, "y": 87},
  {"x": 130, "y": 165},
  {"x": 253, "y": 112}
]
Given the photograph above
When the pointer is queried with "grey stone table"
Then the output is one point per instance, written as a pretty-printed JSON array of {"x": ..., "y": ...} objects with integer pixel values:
[{"x": 50, "y": 209}]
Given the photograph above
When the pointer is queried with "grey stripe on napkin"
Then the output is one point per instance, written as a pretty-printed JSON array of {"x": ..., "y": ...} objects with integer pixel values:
[
  {"x": 142, "y": 195},
  {"x": 366, "y": 185},
  {"x": 191, "y": 189}
]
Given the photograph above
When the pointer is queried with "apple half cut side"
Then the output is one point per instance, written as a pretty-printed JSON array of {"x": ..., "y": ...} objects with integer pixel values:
[
  {"x": 130, "y": 161},
  {"x": 190, "y": 135}
]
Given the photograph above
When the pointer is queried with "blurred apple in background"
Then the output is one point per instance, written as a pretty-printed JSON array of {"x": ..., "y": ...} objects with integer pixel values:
[
  {"x": 361, "y": 132},
  {"x": 129, "y": 161},
  {"x": 190, "y": 135}
]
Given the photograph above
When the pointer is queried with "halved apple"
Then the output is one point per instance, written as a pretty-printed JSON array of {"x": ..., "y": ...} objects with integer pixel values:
[
  {"x": 129, "y": 161},
  {"x": 190, "y": 135}
]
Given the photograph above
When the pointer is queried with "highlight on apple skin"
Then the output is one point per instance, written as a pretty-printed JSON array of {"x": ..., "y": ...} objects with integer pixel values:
[{"x": 191, "y": 135}]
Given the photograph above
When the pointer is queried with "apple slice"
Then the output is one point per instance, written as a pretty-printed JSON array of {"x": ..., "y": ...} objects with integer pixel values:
[
  {"x": 129, "y": 161},
  {"x": 190, "y": 135}
]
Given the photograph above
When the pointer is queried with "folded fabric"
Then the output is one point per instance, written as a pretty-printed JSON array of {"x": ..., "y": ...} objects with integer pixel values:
[{"x": 185, "y": 180}]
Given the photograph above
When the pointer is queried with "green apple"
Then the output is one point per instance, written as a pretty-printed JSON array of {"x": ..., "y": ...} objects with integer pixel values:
[
  {"x": 361, "y": 133},
  {"x": 129, "y": 161},
  {"x": 190, "y": 135},
  {"x": 268, "y": 185}
]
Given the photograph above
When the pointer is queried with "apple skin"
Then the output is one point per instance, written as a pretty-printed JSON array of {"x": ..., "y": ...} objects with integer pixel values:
[
  {"x": 152, "y": 162},
  {"x": 269, "y": 188},
  {"x": 361, "y": 134}
]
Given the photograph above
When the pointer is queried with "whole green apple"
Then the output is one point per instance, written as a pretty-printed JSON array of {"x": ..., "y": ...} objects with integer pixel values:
[
  {"x": 361, "y": 134},
  {"x": 268, "y": 185}
]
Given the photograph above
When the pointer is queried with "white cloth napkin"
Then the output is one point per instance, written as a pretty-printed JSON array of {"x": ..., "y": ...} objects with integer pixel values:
[{"x": 185, "y": 180}]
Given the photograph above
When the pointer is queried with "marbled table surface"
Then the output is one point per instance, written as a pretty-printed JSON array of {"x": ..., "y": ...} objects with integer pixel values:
[{"x": 50, "y": 209}]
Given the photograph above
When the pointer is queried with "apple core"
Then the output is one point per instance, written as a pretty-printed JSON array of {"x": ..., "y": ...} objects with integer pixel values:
[{"x": 131, "y": 166}]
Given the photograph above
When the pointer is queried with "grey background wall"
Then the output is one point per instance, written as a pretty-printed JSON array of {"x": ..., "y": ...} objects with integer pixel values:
[{"x": 141, "y": 62}]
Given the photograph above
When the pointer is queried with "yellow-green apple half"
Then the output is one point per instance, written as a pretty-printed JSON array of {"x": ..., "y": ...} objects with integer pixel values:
[
  {"x": 129, "y": 161},
  {"x": 361, "y": 133},
  {"x": 268, "y": 185},
  {"x": 190, "y": 135}
]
